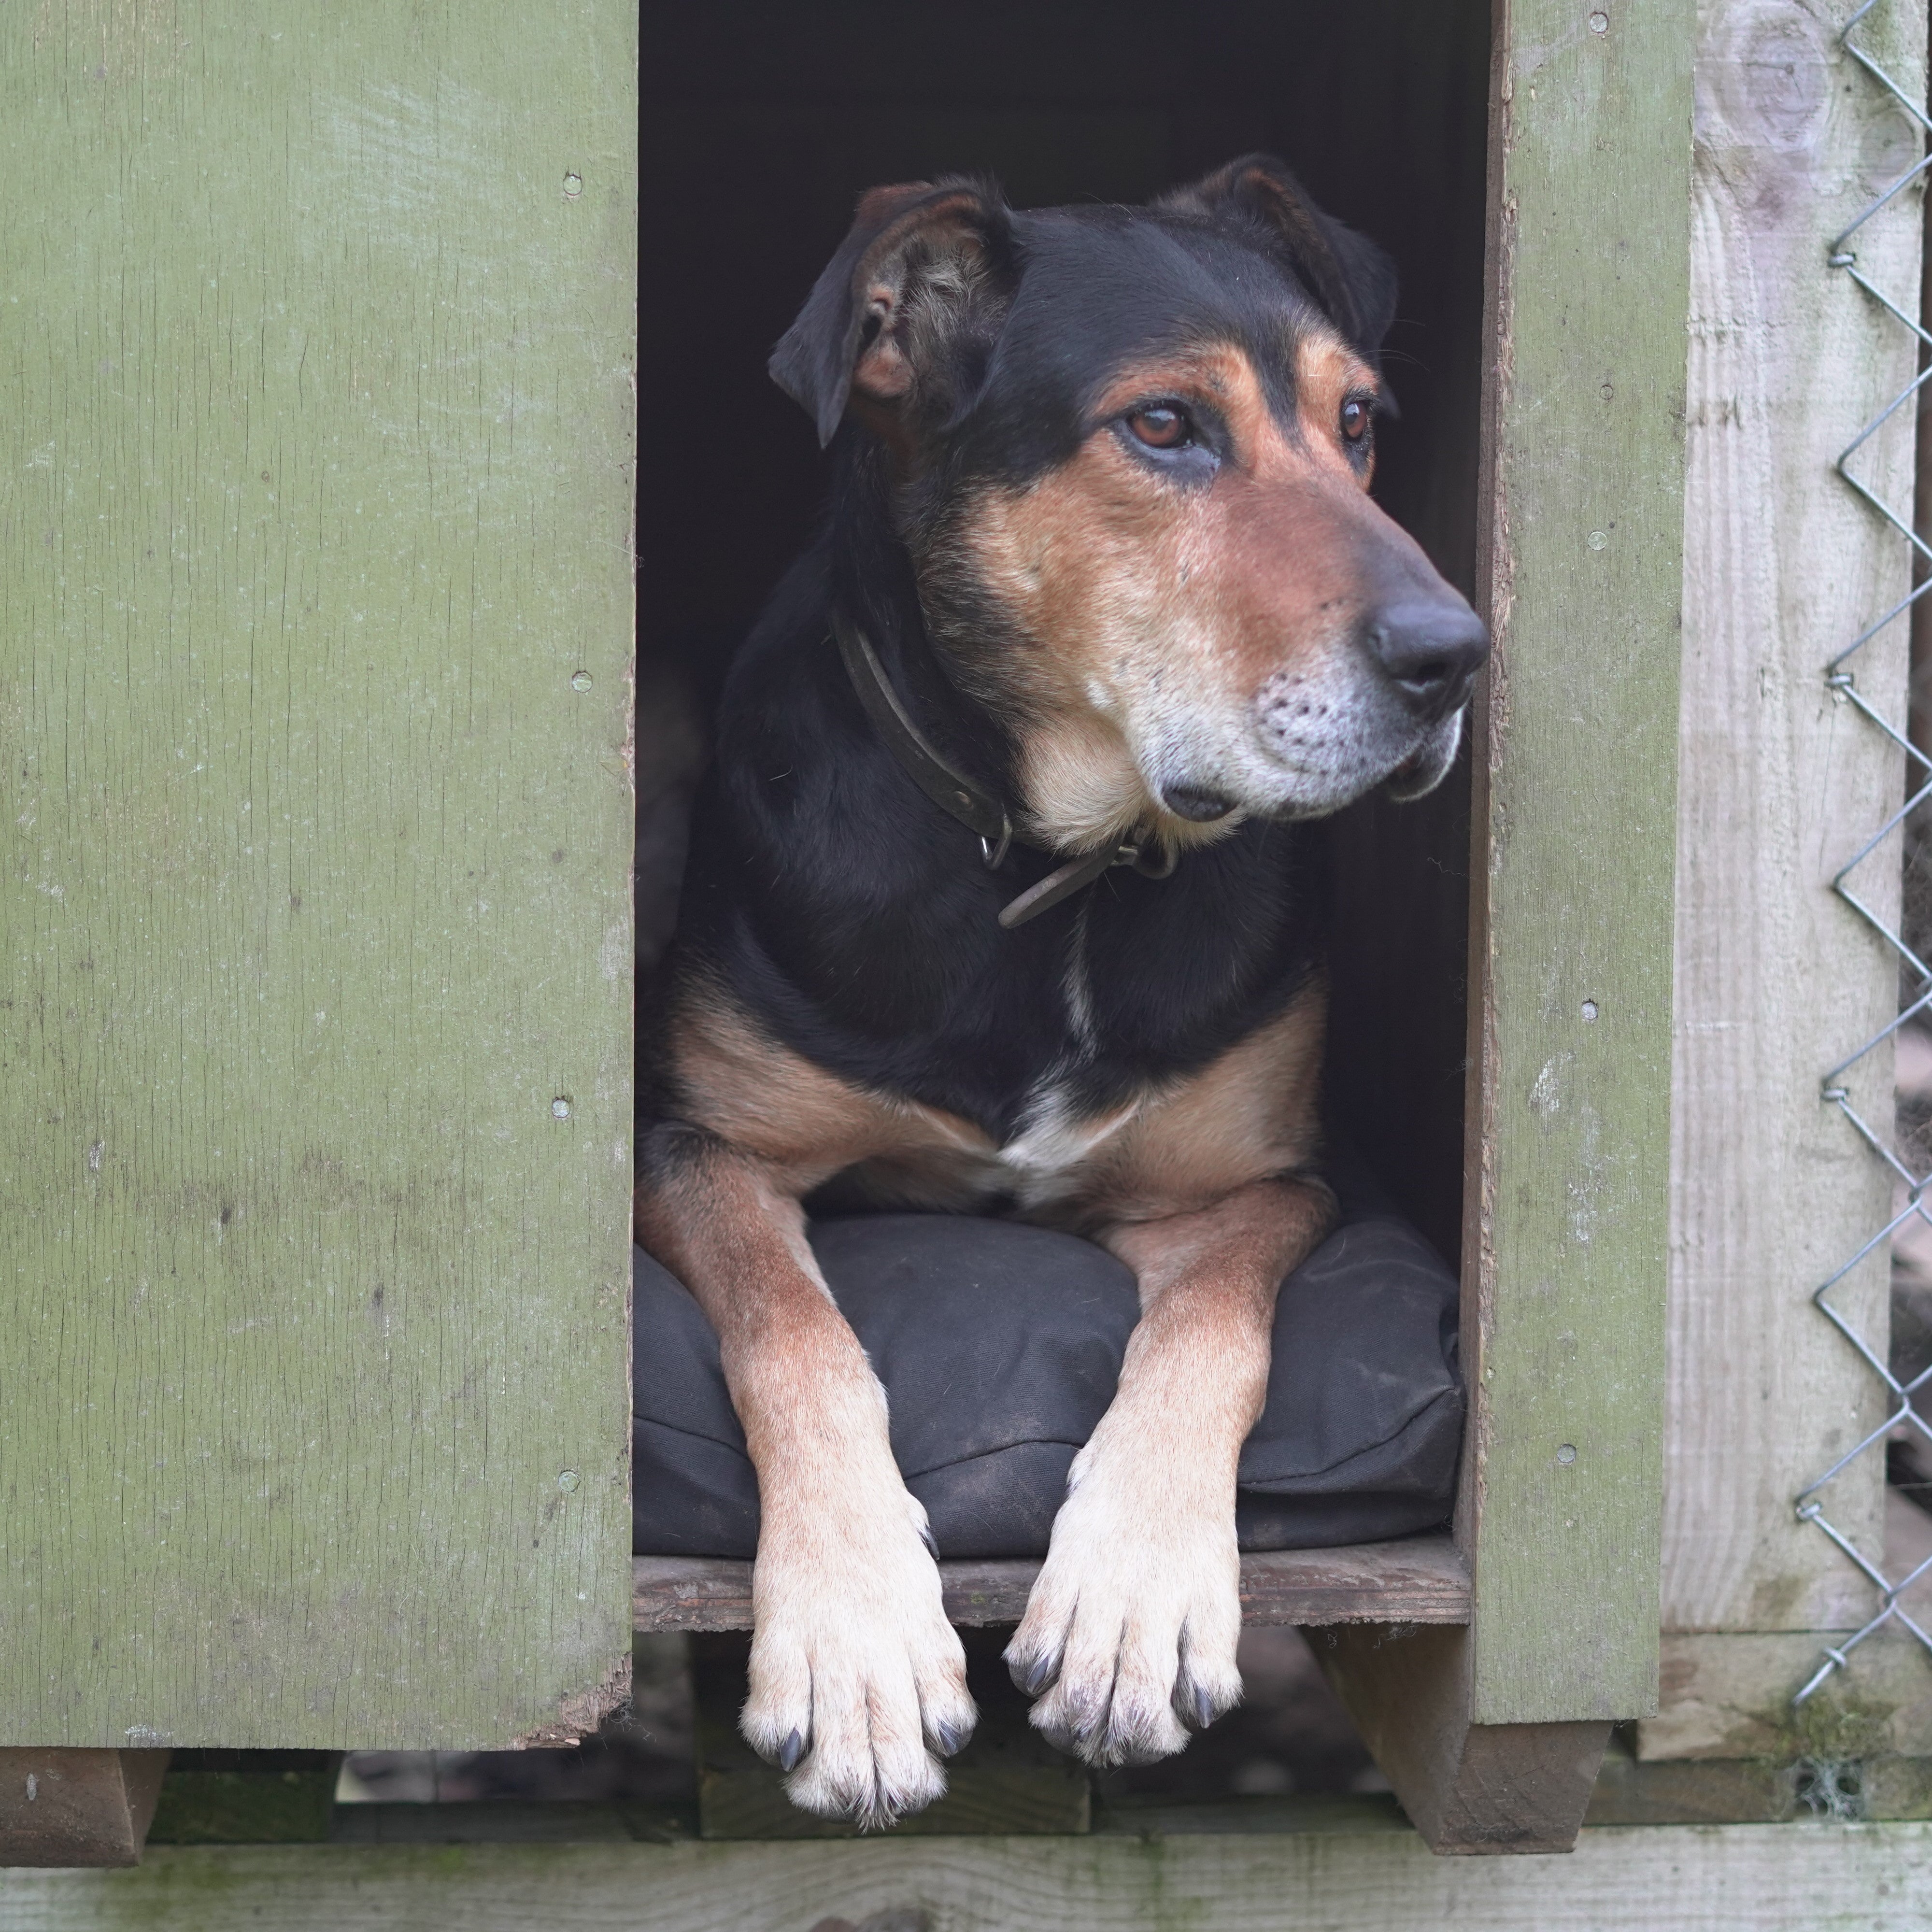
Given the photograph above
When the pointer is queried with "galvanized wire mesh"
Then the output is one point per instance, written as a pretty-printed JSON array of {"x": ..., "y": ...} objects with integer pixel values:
[{"x": 1909, "y": 1402}]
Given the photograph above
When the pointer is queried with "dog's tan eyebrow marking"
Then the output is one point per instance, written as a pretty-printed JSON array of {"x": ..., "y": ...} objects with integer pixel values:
[
  {"x": 1327, "y": 373},
  {"x": 1220, "y": 374},
  {"x": 1225, "y": 374},
  {"x": 1326, "y": 367}
]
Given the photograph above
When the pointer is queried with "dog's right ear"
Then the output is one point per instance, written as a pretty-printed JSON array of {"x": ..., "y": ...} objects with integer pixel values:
[
  {"x": 925, "y": 270},
  {"x": 1346, "y": 273}
]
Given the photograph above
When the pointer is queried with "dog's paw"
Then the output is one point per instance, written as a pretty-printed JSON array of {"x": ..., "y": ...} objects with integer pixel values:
[
  {"x": 858, "y": 1682},
  {"x": 1131, "y": 1629}
]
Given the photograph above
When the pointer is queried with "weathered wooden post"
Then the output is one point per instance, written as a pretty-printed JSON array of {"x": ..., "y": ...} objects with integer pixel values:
[
  {"x": 1782, "y": 782},
  {"x": 1491, "y": 1737},
  {"x": 316, "y": 343}
]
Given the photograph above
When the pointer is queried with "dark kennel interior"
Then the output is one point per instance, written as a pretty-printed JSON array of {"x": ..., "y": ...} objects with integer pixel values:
[{"x": 761, "y": 123}]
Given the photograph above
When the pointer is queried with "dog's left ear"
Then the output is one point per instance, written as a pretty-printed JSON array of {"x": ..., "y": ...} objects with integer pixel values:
[
  {"x": 916, "y": 287},
  {"x": 1346, "y": 273}
]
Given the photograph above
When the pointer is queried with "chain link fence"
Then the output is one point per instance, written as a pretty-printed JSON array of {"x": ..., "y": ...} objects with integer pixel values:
[{"x": 1905, "y": 1433}]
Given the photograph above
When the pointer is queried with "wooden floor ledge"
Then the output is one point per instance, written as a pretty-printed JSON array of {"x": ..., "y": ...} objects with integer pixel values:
[
  {"x": 1419, "y": 1580},
  {"x": 1740, "y": 1878}
]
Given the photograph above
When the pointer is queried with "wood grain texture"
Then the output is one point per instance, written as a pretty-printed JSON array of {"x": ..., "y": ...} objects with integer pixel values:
[
  {"x": 1565, "y": 1232},
  {"x": 1421, "y": 1580},
  {"x": 1727, "y": 1694},
  {"x": 316, "y": 437},
  {"x": 77, "y": 1808},
  {"x": 1754, "y": 1791},
  {"x": 1779, "y": 785},
  {"x": 1747, "y": 1878},
  {"x": 1467, "y": 1787}
]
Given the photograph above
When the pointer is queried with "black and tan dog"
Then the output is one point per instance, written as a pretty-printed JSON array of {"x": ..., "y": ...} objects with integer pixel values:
[{"x": 1102, "y": 583}]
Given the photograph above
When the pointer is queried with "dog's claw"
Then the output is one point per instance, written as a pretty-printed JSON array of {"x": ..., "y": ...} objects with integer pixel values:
[
  {"x": 1039, "y": 1676},
  {"x": 790, "y": 1751},
  {"x": 1204, "y": 1708},
  {"x": 949, "y": 1737},
  {"x": 925, "y": 1537}
]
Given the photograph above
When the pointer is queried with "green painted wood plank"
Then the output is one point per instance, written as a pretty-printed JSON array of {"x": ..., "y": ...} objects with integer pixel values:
[
  {"x": 316, "y": 344},
  {"x": 1736, "y": 1878},
  {"x": 1574, "y": 831}
]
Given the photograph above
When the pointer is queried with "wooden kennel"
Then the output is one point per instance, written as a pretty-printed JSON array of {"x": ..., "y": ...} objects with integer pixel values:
[{"x": 321, "y": 460}]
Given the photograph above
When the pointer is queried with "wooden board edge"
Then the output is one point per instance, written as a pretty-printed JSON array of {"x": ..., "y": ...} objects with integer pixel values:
[
  {"x": 1736, "y": 1878},
  {"x": 1424, "y": 1580}
]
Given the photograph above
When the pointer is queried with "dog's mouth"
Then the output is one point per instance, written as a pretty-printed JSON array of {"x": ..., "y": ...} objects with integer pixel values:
[
  {"x": 1196, "y": 802},
  {"x": 1428, "y": 765}
]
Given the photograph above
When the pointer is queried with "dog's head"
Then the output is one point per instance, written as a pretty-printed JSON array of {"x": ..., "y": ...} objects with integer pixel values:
[{"x": 1129, "y": 451}]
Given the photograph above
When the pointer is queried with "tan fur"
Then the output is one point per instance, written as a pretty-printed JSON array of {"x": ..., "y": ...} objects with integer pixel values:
[
  {"x": 1161, "y": 604},
  {"x": 1137, "y": 1608},
  {"x": 867, "y": 1681},
  {"x": 1248, "y": 1114},
  {"x": 1166, "y": 1151},
  {"x": 1327, "y": 372},
  {"x": 802, "y": 1124}
]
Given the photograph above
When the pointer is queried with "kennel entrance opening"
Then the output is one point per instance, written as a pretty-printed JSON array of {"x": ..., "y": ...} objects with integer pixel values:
[
  {"x": 1519, "y": 1112},
  {"x": 765, "y": 129}
]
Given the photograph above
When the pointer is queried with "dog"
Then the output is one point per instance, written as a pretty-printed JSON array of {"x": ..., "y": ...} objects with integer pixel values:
[{"x": 1003, "y": 897}]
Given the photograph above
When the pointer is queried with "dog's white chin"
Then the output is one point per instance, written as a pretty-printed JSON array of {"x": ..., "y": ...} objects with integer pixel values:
[
  {"x": 1428, "y": 764},
  {"x": 1314, "y": 780}
]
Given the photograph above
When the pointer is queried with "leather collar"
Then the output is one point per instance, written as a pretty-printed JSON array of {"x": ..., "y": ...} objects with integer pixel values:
[{"x": 978, "y": 810}]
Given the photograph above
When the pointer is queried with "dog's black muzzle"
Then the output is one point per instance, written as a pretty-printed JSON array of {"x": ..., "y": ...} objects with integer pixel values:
[{"x": 1429, "y": 649}]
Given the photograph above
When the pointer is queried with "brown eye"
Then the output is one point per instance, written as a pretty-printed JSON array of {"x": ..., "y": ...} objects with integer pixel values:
[
  {"x": 1354, "y": 419},
  {"x": 1161, "y": 427}
]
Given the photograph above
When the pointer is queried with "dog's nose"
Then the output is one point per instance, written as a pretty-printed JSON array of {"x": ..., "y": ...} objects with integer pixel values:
[{"x": 1430, "y": 650}]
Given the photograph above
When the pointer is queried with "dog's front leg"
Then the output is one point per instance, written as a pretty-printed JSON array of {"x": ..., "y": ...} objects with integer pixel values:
[
  {"x": 1135, "y": 1618},
  {"x": 856, "y": 1678}
]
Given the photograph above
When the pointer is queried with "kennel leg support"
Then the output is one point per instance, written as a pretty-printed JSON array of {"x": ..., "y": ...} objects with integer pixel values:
[
  {"x": 77, "y": 1808},
  {"x": 1466, "y": 1787}
]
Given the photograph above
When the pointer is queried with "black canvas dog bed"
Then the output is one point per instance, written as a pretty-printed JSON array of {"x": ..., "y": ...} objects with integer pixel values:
[{"x": 999, "y": 1345}]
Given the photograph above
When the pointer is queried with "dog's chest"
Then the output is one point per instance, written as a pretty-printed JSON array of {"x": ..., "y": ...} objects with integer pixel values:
[
  {"x": 1059, "y": 1138},
  {"x": 1055, "y": 1155}
]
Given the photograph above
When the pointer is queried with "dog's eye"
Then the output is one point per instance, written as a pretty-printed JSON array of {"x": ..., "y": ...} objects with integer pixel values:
[
  {"x": 1161, "y": 426},
  {"x": 1355, "y": 418}
]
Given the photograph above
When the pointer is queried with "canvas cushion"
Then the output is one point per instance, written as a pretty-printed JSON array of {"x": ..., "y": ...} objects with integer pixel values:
[{"x": 999, "y": 1345}]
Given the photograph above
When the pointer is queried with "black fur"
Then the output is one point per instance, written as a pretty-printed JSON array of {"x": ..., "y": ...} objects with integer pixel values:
[{"x": 835, "y": 902}]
